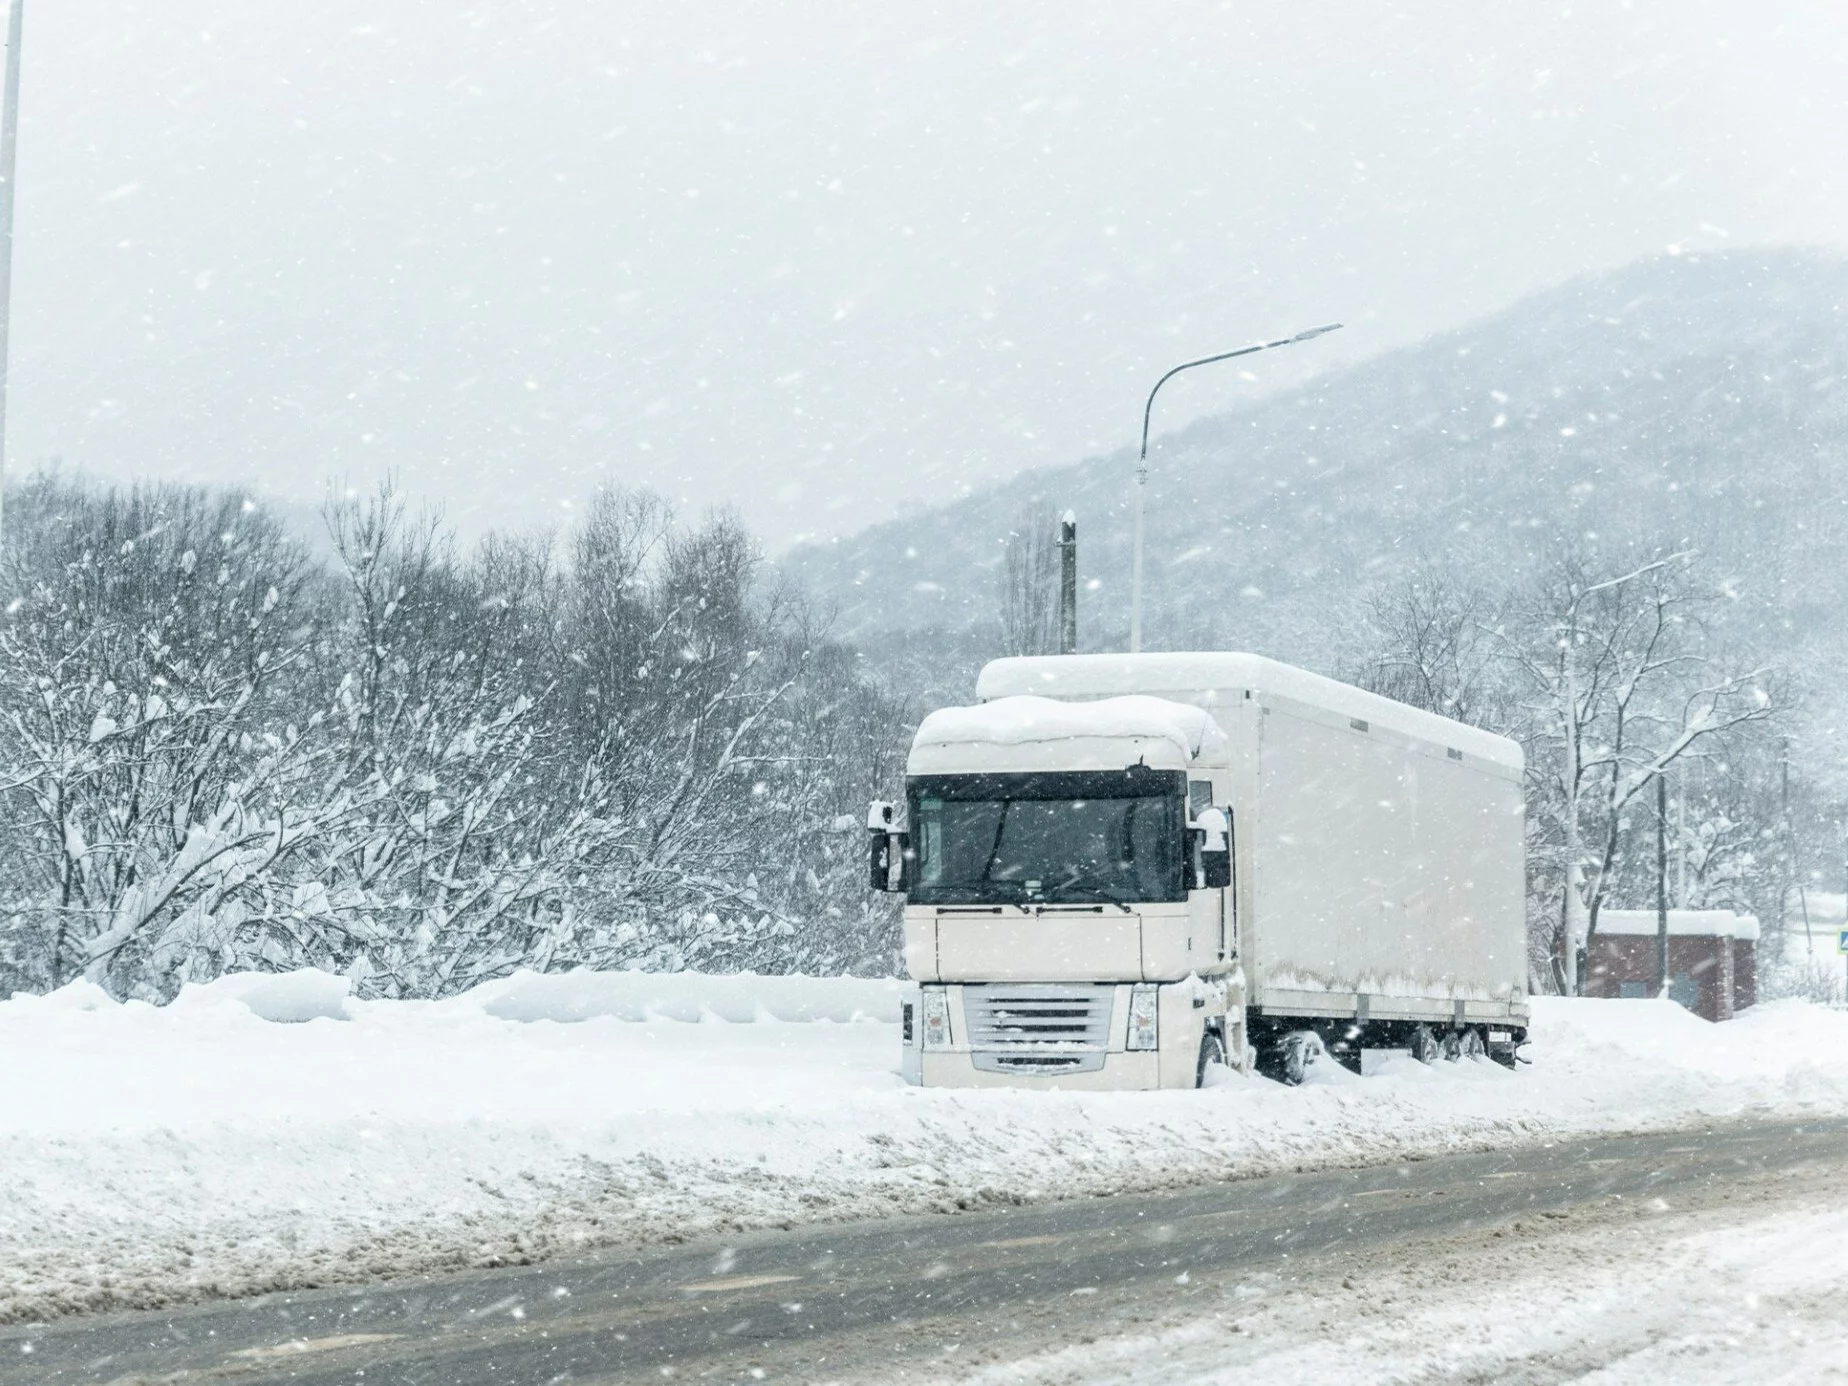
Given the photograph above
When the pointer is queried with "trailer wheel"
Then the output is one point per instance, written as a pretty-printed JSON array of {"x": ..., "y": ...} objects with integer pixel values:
[
  {"x": 1212, "y": 1051},
  {"x": 1508, "y": 1054},
  {"x": 1424, "y": 1044},
  {"x": 1301, "y": 1049},
  {"x": 1471, "y": 1044}
]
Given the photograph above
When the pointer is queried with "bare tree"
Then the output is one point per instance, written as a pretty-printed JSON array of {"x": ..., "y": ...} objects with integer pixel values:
[
  {"x": 1435, "y": 649},
  {"x": 1624, "y": 686},
  {"x": 463, "y": 833}
]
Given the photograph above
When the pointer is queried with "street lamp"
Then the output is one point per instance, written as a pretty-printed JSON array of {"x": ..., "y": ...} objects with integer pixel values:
[{"x": 1142, "y": 462}]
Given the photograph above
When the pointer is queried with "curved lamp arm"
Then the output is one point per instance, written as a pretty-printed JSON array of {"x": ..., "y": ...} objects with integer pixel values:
[{"x": 1142, "y": 458}]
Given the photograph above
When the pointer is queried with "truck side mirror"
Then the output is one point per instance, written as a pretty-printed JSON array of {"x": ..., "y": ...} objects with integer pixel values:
[
  {"x": 886, "y": 850},
  {"x": 879, "y": 845},
  {"x": 1211, "y": 834}
]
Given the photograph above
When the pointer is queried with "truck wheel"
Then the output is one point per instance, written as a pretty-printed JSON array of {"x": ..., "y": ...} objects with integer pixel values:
[
  {"x": 1508, "y": 1054},
  {"x": 1470, "y": 1044},
  {"x": 1424, "y": 1044},
  {"x": 1301, "y": 1048},
  {"x": 1212, "y": 1051}
]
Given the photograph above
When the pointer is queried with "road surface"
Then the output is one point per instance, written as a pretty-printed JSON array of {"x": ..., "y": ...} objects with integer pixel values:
[{"x": 939, "y": 1297}]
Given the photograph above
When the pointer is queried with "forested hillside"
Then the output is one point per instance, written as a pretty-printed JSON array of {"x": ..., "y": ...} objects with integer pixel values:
[{"x": 1686, "y": 402}]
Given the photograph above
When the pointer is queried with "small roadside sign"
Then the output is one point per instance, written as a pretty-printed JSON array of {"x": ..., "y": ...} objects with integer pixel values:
[{"x": 1841, "y": 941}]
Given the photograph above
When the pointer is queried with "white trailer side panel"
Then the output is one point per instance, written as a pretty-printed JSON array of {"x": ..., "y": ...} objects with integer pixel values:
[{"x": 1384, "y": 866}]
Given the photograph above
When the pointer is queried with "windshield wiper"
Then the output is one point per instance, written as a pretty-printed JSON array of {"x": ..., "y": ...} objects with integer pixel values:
[
  {"x": 1095, "y": 892},
  {"x": 994, "y": 895}
]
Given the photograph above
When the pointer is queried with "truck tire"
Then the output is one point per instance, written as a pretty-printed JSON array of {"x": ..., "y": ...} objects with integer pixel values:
[
  {"x": 1471, "y": 1044},
  {"x": 1508, "y": 1054},
  {"x": 1301, "y": 1049},
  {"x": 1212, "y": 1051},
  {"x": 1424, "y": 1045}
]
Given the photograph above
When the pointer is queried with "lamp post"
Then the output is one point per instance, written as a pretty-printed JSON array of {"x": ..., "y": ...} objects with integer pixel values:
[
  {"x": 1142, "y": 461},
  {"x": 9, "y": 148}
]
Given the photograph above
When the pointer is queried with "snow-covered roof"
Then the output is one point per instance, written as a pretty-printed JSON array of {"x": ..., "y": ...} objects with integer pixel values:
[
  {"x": 1209, "y": 679},
  {"x": 1029, "y": 733},
  {"x": 1681, "y": 923}
]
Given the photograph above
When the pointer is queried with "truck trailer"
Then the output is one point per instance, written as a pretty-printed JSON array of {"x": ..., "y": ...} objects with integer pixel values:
[{"x": 1122, "y": 869}]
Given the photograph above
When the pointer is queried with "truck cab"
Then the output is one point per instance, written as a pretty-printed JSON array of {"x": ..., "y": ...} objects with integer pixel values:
[{"x": 1068, "y": 917}]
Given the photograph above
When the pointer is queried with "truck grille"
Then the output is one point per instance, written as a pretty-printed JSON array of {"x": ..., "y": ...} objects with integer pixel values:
[
  {"x": 1063, "y": 1061},
  {"x": 1038, "y": 1022}
]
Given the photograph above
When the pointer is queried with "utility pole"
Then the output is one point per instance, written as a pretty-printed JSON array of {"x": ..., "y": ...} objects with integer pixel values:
[
  {"x": 1068, "y": 584},
  {"x": 1662, "y": 884},
  {"x": 1681, "y": 840},
  {"x": 1790, "y": 859},
  {"x": 9, "y": 152},
  {"x": 1142, "y": 461}
]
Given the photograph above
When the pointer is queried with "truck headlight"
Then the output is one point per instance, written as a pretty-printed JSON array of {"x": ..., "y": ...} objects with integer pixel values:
[
  {"x": 936, "y": 1020},
  {"x": 1142, "y": 1009}
]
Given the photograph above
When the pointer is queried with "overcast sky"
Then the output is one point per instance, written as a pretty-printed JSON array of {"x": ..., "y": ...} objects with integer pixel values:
[{"x": 825, "y": 261}]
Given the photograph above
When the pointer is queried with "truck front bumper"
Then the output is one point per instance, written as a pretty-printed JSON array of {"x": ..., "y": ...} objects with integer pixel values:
[
  {"x": 1119, "y": 1072},
  {"x": 1082, "y": 1034}
]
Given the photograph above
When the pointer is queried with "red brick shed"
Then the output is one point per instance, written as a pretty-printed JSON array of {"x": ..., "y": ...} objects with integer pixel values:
[{"x": 1712, "y": 959}]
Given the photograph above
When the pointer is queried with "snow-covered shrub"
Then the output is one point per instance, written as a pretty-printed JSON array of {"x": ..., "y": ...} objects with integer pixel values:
[
  {"x": 160, "y": 780},
  {"x": 414, "y": 767}
]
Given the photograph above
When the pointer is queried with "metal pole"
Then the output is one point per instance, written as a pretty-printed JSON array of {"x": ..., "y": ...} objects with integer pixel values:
[
  {"x": 1662, "y": 883},
  {"x": 1790, "y": 855},
  {"x": 1681, "y": 839},
  {"x": 9, "y": 150},
  {"x": 1142, "y": 461},
  {"x": 1135, "y": 585},
  {"x": 1068, "y": 584}
]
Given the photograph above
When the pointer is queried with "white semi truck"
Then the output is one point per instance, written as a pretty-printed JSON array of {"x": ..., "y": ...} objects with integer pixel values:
[{"x": 1121, "y": 869}]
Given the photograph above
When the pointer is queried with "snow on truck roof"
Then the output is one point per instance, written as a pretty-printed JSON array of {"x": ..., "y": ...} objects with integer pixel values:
[
  {"x": 1044, "y": 733},
  {"x": 1206, "y": 678}
]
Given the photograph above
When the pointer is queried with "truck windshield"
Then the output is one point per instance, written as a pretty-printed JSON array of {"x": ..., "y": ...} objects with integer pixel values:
[{"x": 1071, "y": 837}]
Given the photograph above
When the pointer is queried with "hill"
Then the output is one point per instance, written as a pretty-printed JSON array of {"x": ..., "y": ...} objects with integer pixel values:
[{"x": 1686, "y": 401}]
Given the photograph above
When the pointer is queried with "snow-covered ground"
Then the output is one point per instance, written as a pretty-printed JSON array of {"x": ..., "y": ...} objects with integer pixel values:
[{"x": 158, "y": 1154}]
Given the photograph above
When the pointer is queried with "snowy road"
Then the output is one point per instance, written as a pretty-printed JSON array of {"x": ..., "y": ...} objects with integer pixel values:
[{"x": 1699, "y": 1256}]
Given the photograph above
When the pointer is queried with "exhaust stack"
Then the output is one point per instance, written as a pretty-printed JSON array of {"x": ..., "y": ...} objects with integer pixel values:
[{"x": 1068, "y": 583}]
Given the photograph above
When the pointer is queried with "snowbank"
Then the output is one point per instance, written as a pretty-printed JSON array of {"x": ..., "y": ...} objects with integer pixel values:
[
  {"x": 286, "y": 997},
  {"x": 742, "y": 998},
  {"x": 690, "y": 996},
  {"x": 153, "y": 1155}
]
